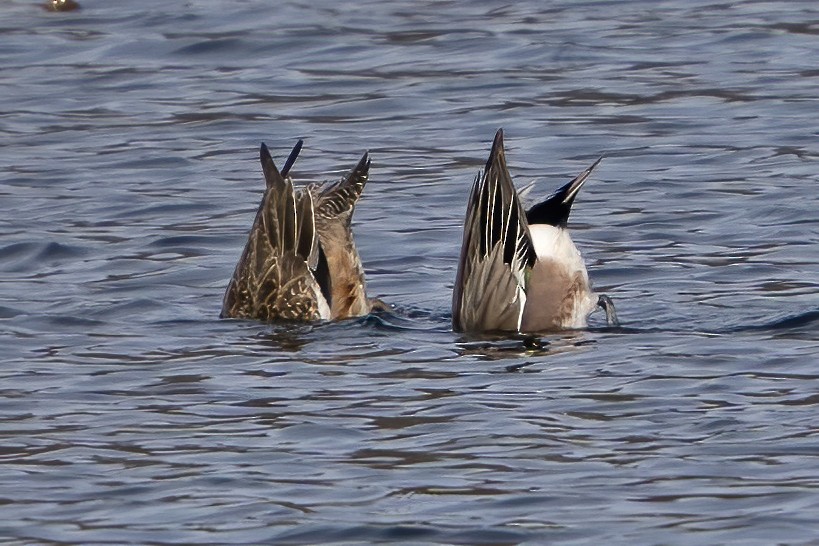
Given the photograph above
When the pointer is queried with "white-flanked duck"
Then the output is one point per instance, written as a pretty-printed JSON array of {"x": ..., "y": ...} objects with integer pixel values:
[
  {"x": 300, "y": 262},
  {"x": 519, "y": 270}
]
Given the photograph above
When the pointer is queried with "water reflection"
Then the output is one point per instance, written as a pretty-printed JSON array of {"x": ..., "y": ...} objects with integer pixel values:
[{"x": 289, "y": 338}]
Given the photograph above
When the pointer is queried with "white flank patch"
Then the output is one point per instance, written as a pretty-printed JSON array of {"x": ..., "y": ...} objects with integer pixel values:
[
  {"x": 324, "y": 310},
  {"x": 555, "y": 244}
]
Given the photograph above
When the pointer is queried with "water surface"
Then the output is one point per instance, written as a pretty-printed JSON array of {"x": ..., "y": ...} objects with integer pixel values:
[{"x": 129, "y": 177}]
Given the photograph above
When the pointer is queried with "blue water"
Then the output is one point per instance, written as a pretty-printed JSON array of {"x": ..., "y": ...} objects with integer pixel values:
[{"x": 129, "y": 413}]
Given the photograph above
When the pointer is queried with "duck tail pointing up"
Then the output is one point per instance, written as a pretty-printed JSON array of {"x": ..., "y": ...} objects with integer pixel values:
[{"x": 555, "y": 210}]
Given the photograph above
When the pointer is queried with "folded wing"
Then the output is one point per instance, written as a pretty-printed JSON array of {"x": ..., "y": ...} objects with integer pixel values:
[
  {"x": 496, "y": 254},
  {"x": 282, "y": 273}
]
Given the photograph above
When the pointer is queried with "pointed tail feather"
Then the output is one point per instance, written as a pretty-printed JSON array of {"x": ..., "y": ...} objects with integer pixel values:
[
  {"x": 555, "y": 210},
  {"x": 291, "y": 159},
  {"x": 272, "y": 176}
]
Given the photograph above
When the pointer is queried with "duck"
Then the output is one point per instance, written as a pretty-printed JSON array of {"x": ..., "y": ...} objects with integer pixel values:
[
  {"x": 61, "y": 5},
  {"x": 519, "y": 270},
  {"x": 300, "y": 262}
]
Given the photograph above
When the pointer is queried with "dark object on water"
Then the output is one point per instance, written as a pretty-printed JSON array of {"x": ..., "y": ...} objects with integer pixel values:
[{"x": 61, "y": 5}]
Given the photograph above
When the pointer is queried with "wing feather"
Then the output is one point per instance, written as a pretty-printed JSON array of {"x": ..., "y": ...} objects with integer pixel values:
[
  {"x": 274, "y": 278},
  {"x": 496, "y": 252}
]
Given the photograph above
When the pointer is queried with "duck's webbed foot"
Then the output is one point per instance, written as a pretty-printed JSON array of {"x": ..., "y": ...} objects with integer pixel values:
[{"x": 608, "y": 306}]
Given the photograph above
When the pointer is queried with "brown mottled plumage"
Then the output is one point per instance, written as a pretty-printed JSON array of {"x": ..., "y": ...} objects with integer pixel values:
[
  {"x": 300, "y": 262},
  {"x": 335, "y": 204}
]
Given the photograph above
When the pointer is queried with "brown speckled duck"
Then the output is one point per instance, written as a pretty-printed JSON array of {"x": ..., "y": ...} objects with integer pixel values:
[
  {"x": 300, "y": 262},
  {"x": 519, "y": 270}
]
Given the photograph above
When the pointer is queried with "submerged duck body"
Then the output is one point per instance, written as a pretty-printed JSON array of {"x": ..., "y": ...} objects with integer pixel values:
[
  {"x": 519, "y": 270},
  {"x": 300, "y": 262}
]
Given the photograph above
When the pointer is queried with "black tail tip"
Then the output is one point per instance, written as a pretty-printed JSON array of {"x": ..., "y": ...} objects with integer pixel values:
[
  {"x": 265, "y": 157},
  {"x": 496, "y": 154},
  {"x": 364, "y": 162},
  {"x": 498, "y": 142},
  {"x": 291, "y": 159}
]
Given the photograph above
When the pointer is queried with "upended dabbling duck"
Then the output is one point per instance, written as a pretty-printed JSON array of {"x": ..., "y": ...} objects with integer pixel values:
[
  {"x": 519, "y": 270},
  {"x": 300, "y": 262}
]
